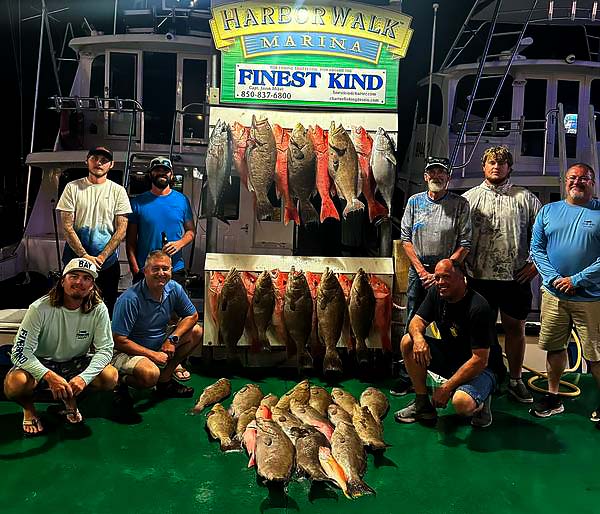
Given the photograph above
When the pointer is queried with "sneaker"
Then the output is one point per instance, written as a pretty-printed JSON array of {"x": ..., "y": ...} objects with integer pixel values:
[
  {"x": 401, "y": 387},
  {"x": 483, "y": 417},
  {"x": 520, "y": 392},
  {"x": 548, "y": 405},
  {"x": 595, "y": 415},
  {"x": 122, "y": 398},
  {"x": 411, "y": 413}
]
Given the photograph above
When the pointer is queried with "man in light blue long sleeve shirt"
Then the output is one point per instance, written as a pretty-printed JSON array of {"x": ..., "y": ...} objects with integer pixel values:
[
  {"x": 54, "y": 346},
  {"x": 565, "y": 247}
]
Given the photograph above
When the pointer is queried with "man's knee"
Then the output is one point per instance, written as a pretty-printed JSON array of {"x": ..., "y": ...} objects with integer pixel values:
[
  {"x": 106, "y": 380},
  {"x": 406, "y": 345},
  {"x": 146, "y": 373},
  {"x": 463, "y": 403},
  {"x": 18, "y": 382}
]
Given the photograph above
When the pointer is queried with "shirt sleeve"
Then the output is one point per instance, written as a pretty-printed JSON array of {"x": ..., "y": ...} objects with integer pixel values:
[
  {"x": 407, "y": 222},
  {"x": 465, "y": 229},
  {"x": 123, "y": 206},
  {"x": 426, "y": 310},
  {"x": 538, "y": 251},
  {"x": 26, "y": 343},
  {"x": 589, "y": 276},
  {"x": 134, "y": 215},
  {"x": 66, "y": 201},
  {"x": 124, "y": 315},
  {"x": 183, "y": 305},
  {"x": 103, "y": 344},
  {"x": 188, "y": 211}
]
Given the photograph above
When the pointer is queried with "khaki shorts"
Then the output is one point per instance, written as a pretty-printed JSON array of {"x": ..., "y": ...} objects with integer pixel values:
[
  {"x": 560, "y": 316},
  {"x": 125, "y": 363}
]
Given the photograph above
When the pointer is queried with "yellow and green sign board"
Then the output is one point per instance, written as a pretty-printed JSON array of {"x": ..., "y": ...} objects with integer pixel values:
[{"x": 342, "y": 54}]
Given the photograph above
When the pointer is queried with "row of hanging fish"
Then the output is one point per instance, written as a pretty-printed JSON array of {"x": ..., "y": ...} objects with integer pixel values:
[
  {"x": 308, "y": 431},
  {"x": 302, "y": 162},
  {"x": 307, "y": 312}
]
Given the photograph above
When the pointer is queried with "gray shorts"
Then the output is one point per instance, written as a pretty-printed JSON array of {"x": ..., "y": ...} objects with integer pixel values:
[{"x": 125, "y": 363}]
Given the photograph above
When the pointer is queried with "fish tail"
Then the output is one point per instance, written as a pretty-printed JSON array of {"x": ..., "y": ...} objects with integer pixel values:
[
  {"x": 290, "y": 213},
  {"x": 308, "y": 213},
  {"x": 264, "y": 209},
  {"x": 376, "y": 210},
  {"x": 252, "y": 461},
  {"x": 354, "y": 205},
  {"x": 328, "y": 209},
  {"x": 358, "y": 488},
  {"x": 332, "y": 362},
  {"x": 231, "y": 445}
]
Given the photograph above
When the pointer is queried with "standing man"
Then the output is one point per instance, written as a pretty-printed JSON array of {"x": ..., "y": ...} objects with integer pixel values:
[
  {"x": 93, "y": 213},
  {"x": 159, "y": 211},
  {"x": 64, "y": 343},
  {"x": 499, "y": 264},
  {"x": 436, "y": 225},
  {"x": 146, "y": 354},
  {"x": 566, "y": 250},
  {"x": 467, "y": 354}
]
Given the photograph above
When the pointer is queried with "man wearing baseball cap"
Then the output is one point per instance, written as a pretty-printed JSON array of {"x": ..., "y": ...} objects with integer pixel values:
[
  {"x": 94, "y": 213},
  {"x": 53, "y": 346},
  {"x": 436, "y": 225}
]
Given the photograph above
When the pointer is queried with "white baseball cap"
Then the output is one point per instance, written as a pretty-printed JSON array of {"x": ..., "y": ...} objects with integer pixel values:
[{"x": 81, "y": 264}]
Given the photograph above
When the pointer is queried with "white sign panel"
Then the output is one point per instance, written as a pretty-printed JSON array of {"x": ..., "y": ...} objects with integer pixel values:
[{"x": 310, "y": 83}]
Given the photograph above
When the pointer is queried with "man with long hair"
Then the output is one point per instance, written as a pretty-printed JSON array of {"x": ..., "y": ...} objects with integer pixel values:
[
  {"x": 53, "y": 346},
  {"x": 147, "y": 355}
]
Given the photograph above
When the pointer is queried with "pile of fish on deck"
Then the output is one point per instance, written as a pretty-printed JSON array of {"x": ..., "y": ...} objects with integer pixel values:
[
  {"x": 307, "y": 312},
  {"x": 318, "y": 435},
  {"x": 301, "y": 163}
]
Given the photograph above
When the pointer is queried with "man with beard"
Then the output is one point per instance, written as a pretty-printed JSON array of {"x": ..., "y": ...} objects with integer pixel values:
[
  {"x": 499, "y": 265},
  {"x": 566, "y": 250},
  {"x": 161, "y": 213},
  {"x": 93, "y": 213},
  {"x": 436, "y": 225},
  {"x": 63, "y": 343},
  {"x": 147, "y": 355}
]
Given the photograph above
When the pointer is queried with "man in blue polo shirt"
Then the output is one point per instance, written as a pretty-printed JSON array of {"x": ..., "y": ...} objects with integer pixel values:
[{"x": 145, "y": 354}]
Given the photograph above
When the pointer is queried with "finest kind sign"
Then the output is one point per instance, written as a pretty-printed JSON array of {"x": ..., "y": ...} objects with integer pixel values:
[{"x": 334, "y": 55}]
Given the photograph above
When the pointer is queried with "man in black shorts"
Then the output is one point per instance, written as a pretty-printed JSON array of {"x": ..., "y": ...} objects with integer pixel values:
[{"x": 467, "y": 355}]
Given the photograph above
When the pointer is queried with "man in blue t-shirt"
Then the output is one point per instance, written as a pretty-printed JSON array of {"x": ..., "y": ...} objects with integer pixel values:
[
  {"x": 565, "y": 248},
  {"x": 146, "y": 354},
  {"x": 161, "y": 219}
]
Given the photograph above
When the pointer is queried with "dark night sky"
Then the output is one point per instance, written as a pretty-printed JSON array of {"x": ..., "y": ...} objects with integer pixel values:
[{"x": 19, "y": 50}]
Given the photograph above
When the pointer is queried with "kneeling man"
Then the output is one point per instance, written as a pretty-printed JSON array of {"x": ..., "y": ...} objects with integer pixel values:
[
  {"x": 467, "y": 355},
  {"x": 54, "y": 343},
  {"x": 146, "y": 355}
]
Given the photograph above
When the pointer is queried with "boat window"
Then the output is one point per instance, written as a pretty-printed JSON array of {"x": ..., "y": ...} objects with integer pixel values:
[
  {"x": 595, "y": 101},
  {"x": 437, "y": 105},
  {"x": 567, "y": 93},
  {"x": 194, "y": 92},
  {"x": 97, "y": 76},
  {"x": 230, "y": 199},
  {"x": 499, "y": 121},
  {"x": 534, "y": 113},
  {"x": 159, "y": 89},
  {"x": 122, "y": 84}
]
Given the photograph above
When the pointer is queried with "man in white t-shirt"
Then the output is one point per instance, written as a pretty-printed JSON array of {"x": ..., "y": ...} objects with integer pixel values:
[
  {"x": 54, "y": 343},
  {"x": 94, "y": 213}
]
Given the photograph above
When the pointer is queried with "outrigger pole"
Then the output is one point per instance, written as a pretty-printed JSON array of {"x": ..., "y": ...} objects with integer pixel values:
[{"x": 433, "y": 30}]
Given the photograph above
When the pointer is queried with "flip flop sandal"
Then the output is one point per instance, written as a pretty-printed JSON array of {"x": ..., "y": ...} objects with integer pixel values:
[
  {"x": 72, "y": 416},
  {"x": 34, "y": 422},
  {"x": 181, "y": 374},
  {"x": 173, "y": 389}
]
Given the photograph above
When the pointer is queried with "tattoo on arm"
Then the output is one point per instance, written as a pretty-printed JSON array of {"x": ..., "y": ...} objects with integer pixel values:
[
  {"x": 73, "y": 241},
  {"x": 117, "y": 237}
]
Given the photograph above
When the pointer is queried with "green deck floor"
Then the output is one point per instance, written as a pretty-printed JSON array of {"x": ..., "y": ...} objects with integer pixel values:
[{"x": 163, "y": 462}]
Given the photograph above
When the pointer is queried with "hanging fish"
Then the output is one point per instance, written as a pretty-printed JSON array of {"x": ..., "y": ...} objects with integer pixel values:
[
  {"x": 330, "y": 317},
  {"x": 383, "y": 164},
  {"x": 282, "y": 141},
  {"x": 232, "y": 311},
  {"x": 362, "y": 311},
  {"x": 218, "y": 168},
  {"x": 298, "y": 311},
  {"x": 239, "y": 139},
  {"x": 319, "y": 140},
  {"x": 301, "y": 173},
  {"x": 261, "y": 156},
  {"x": 383, "y": 311},
  {"x": 263, "y": 304}
]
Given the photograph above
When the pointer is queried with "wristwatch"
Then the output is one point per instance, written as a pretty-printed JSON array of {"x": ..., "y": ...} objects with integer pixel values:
[{"x": 174, "y": 339}]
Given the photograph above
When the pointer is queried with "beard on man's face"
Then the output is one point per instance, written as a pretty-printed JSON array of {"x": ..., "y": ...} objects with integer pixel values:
[{"x": 160, "y": 181}]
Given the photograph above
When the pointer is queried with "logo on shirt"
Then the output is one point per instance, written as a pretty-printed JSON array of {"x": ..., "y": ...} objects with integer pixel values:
[
  {"x": 82, "y": 334},
  {"x": 19, "y": 357},
  {"x": 588, "y": 224}
]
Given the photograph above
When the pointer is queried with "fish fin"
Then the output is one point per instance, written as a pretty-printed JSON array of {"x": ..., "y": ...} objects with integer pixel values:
[
  {"x": 328, "y": 209},
  {"x": 391, "y": 158},
  {"x": 233, "y": 445},
  {"x": 252, "y": 461},
  {"x": 354, "y": 205},
  {"x": 308, "y": 213},
  {"x": 358, "y": 488}
]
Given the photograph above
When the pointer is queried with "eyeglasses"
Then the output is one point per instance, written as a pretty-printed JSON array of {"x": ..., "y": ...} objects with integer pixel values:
[
  {"x": 437, "y": 170},
  {"x": 99, "y": 159},
  {"x": 576, "y": 178}
]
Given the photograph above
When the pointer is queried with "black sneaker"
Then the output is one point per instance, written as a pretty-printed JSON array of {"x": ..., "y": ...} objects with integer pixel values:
[
  {"x": 483, "y": 417},
  {"x": 520, "y": 392},
  {"x": 548, "y": 405},
  {"x": 411, "y": 414},
  {"x": 595, "y": 415},
  {"x": 401, "y": 387}
]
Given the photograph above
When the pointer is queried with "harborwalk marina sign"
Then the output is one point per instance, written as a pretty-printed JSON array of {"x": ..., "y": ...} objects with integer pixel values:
[{"x": 342, "y": 54}]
